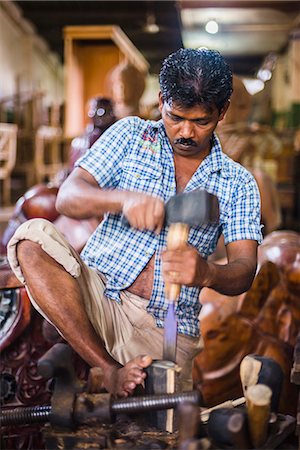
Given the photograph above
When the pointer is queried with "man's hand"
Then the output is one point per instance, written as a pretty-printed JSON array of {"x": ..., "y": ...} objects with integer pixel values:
[
  {"x": 121, "y": 381},
  {"x": 184, "y": 266},
  {"x": 144, "y": 212}
]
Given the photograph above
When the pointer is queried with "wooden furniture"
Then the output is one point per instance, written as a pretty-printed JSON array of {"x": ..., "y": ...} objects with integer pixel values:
[
  {"x": 51, "y": 152},
  {"x": 8, "y": 150},
  {"x": 26, "y": 110},
  {"x": 91, "y": 52},
  {"x": 295, "y": 378}
]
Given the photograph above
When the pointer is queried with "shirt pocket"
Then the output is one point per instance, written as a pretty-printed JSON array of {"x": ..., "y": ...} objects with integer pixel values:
[{"x": 140, "y": 175}]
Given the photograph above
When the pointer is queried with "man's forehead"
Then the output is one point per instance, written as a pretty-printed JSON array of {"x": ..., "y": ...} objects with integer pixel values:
[{"x": 183, "y": 111}]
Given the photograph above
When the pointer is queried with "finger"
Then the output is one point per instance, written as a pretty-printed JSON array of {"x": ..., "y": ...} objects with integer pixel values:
[
  {"x": 145, "y": 361},
  {"x": 178, "y": 254},
  {"x": 122, "y": 393},
  {"x": 135, "y": 378},
  {"x": 173, "y": 274},
  {"x": 174, "y": 277},
  {"x": 143, "y": 217},
  {"x": 151, "y": 216},
  {"x": 137, "y": 375},
  {"x": 141, "y": 361},
  {"x": 150, "y": 220},
  {"x": 131, "y": 220},
  {"x": 159, "y": 215},
  {"x": 174, "y": 267},
  {"x": 159, "y": 227},
  {"x": 129, "y": 386}
]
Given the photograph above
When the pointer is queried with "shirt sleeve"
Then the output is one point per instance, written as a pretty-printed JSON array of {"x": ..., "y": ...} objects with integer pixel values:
[
  {"x": 104, "y": 159},
  {"x": 244, "y": 215}
]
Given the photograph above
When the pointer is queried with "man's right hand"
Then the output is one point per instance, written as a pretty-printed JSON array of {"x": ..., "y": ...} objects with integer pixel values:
[
  {"x": 144, "y": 212},
  {"x": 122, "y": 381}
]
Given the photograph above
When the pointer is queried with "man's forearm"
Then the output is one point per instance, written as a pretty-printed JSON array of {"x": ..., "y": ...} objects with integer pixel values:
[
  {"x": 82, "y": 201},
  {"x": 80, "y": 197},
  {"x": 231, "y": 279}
]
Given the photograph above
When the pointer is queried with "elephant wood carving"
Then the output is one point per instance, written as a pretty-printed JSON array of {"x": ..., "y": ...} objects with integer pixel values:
[{"x": 264, "y": 321}]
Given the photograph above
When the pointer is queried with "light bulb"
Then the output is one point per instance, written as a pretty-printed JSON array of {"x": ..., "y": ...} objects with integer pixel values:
[{"x": 212, "y": 27}]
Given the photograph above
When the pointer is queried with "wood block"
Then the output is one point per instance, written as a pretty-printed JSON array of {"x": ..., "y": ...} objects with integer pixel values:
[{"x": 162, "y": 378}]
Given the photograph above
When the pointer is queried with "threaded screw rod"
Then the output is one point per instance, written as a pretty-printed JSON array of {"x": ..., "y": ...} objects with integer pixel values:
[
  {"x": 27, "y": 415},
  {"x": 153, "y": 402},
  {"x": 41, "y": 414}
]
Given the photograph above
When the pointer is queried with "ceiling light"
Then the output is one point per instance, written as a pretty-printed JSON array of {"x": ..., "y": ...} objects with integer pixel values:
[
  {"x": 212, "y": 27},
  {"x": 253, "y": 85},
  {"x": 264, "y": 74},
  {"x": 151, "y": 25}
]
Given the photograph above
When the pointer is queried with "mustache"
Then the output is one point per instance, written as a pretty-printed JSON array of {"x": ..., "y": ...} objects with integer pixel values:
[{"x": 187, "y": 142}]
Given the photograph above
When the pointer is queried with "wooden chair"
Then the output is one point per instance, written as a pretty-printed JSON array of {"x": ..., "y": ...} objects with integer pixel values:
[
  {"x": 50, "y": 155},
  {"x": 8, "y": 151}
]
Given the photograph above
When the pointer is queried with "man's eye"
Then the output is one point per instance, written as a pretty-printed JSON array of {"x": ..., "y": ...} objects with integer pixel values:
[{"x": 176, "y": 119}]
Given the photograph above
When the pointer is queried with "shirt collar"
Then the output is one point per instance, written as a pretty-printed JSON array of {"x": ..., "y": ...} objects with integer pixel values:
[{"x": 216, "y": 160}]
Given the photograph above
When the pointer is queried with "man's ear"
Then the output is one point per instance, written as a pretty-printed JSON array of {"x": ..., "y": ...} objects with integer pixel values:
[
  {"x": 160, "y": 102},
  {"x": 224, "y": 110}
]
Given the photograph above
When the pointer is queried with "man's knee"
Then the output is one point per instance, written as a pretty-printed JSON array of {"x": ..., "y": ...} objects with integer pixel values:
[
  {"x": 35, "y": 245},
  {"x": 28, "y": 251}
]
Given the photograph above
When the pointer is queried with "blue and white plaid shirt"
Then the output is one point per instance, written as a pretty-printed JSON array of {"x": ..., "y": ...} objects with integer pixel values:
[{"x": 136, "y": 155}]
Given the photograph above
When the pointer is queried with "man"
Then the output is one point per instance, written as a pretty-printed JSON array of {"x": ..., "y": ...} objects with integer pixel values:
[{"x": 112, "y": 309}]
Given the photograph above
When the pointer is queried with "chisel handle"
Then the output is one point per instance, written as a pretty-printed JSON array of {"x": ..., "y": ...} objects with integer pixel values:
[
  {"x": 257, "y": 369},
  {"x": 258, "y": 401},
  {"x": 177, "y": 236}
]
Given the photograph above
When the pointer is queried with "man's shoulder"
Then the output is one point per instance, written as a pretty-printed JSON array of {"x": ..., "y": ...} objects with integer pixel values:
[
  {"x": 141, "y": 130},
  {"x": 234, "y": 168},
  {"x": 225, "y": 166},
  {"x": 138, "y": 123}
]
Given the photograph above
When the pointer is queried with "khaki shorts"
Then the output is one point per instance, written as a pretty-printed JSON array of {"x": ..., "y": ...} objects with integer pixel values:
[{"x": 127, "y": 329}]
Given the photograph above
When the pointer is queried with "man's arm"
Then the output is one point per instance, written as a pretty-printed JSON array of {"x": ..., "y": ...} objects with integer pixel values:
[
  {"x": 80, "y": 197},
  {"x": 187, "y": 267},
  {"x": 237, "y": 276}
]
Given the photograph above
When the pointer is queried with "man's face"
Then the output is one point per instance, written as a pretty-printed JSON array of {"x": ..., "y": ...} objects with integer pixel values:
[{"x": 190, "y": 129}]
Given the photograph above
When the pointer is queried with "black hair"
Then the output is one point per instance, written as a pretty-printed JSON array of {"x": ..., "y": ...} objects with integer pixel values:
[{"x": 191, "y": 77}]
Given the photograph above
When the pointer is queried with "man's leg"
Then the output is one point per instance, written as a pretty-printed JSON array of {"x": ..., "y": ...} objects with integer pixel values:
[
  {"x": 58, "y": 295},
  {"x": 148, "y": 338}
]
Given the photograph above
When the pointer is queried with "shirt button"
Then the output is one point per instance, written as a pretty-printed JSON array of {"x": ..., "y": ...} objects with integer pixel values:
[{"x": 137, "y": 175}]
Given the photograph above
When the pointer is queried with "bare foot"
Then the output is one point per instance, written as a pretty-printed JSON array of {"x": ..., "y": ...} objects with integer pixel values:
[{"x": 121, "y": 381}]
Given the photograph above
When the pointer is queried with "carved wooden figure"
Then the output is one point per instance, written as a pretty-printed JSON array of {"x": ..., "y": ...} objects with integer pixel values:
[
  {"x": 39, "y": 201},
  {"x": 264, "y": 321},
  {"x": 127, "y": 86}
]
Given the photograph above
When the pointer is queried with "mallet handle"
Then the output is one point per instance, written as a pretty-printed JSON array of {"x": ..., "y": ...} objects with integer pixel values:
[{"x": 177, "y": 236}]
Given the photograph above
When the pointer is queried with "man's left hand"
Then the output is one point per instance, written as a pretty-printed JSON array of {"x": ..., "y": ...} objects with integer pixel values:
[{"x": 184, "y": 266}]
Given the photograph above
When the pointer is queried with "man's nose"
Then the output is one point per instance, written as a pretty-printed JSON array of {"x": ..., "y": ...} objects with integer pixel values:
[{"x": 187, "y": 129}]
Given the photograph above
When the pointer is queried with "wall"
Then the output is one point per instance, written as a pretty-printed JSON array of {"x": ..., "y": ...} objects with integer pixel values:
[
  {"x": 27, "y": 65},
  {"x": 286, "y": 86}
]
